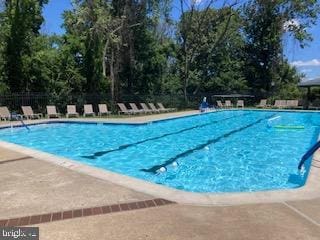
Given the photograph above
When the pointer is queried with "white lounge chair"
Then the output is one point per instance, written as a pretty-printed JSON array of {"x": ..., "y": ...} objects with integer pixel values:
[
  {"x": 153, "y": 108},
  {"x": 228, "y": 104},
  {"x": 103, "y": 110},
  {"x": 52, "y": 112},
  {"x": 162, "y": 108},
  {"x": 5, "y": 114},
  {"x": 88, "y": 110},
  {"x": 146, "y": 108},
  {"x": 29, "y": 114},
  {"x": 262, "y": 104},
  {"x": 135, "y": 109},
  {"x": 124, "y": 110},
  {"x": 240, "y": 103},
  {"x": 72, "y": 111},
  {"x": 280, "y": 104},
  {"x": 293, "y": 104},
  {"x": 220, "y": 104}
]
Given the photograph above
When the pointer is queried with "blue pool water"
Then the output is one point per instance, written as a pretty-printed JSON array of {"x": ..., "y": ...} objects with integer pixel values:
[{"x": 226, "y": 151}]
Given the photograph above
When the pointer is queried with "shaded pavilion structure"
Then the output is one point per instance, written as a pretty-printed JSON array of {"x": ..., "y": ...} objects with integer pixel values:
[{"x": 309, "y": 84}]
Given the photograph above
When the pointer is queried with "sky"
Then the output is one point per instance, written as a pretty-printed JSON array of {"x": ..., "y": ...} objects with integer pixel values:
[{"x": 306, "y": 60}]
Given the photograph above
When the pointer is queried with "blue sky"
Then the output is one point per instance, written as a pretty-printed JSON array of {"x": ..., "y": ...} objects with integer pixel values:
[{"x": 307, "y": 60}]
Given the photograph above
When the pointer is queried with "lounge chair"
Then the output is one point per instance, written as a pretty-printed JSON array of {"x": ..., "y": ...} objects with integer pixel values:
[
  {"x": 103, "y": 109},
  {"x": 153, "y": 108},
  {"x": 313, "y": 107},
  {"x": 52, "y": 112},
  {"x": 6, "y": 115},
  {"x": 220, "y": 104},
  {"x": 124, "y": 109},
  {"x": 280, "y": 104},
  {"x": 72, "y": 111},
  {"x": 135, "y": 109},
  {"x": 228, "y": 104},
  {"x": 162, "y": 108},
  {"x": 146, "y": 108},
  {"x": 262, "y": 104},
  {"x": 29, "y": 114},
  {"x": 283, "y": 103},
  {"x": 240, "y": 103},
  {"x": 88, "y": 110},
  {"x": 293, "y": 104},
  {"x": 290, "y": 103}
]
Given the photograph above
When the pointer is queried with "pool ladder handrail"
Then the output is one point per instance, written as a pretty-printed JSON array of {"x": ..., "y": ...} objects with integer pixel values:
[
  {"x": 25, "y": 125},
  {"x": 19, "y": 118},
  {"x": 308, "y": 154}
]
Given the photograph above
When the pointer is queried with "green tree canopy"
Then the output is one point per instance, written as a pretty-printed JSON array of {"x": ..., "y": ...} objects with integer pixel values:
[
  {"x": 120, "y": 47},
  {"x": 21, "y": 22},
  {"x": 265, "y": 23}
]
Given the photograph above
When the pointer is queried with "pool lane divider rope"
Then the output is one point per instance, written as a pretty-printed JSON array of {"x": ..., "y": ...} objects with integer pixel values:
[
  {"x": 83, "y": 212},
  {"x": 155, "y": 168},
  {"x": 122, "y": 147}
]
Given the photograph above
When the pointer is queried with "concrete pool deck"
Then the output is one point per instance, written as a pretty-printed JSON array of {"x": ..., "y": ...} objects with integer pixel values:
[
  {"x": 249, "y": 222},
  {"x": 31, "y": 186}
]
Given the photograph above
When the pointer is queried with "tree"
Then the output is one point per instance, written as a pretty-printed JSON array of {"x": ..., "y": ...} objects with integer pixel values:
[
  {"x": 193, "y": 16},
  {"x": 141, "y": 56},
  {"x": 22, "y": 22},
  {"x": 3, "y": 86},
  {"x": 216, "y": 47},
  {"x": 86, "y": 26},
  {"x": 116, "y": 44},
  {"x": 125, "y": 47},
  {"x": 265, "y": 23}
]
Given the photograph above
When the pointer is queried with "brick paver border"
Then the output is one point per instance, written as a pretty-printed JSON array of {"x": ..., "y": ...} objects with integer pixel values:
[{"x": 83, "y": 212}]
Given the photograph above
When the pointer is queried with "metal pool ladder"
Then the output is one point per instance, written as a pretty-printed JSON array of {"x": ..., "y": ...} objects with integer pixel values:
[
  {"x": 19, "y": 118},
  {"x": 23, "y": 124},
  {"x": 308, "y": 154}
]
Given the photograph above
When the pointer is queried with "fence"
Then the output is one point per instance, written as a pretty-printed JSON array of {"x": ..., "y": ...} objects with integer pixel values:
[{"x": 39, "y": 101}]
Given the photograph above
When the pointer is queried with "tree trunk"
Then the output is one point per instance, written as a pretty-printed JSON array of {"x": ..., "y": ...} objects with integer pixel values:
[
  {"x": 112, "y": 76},
  {"x": 104, "y": 56},
  {"x": 186, "y": 73}
]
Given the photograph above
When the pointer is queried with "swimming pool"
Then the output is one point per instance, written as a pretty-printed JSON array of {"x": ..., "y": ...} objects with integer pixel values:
[{"x": 225, "y": 151}]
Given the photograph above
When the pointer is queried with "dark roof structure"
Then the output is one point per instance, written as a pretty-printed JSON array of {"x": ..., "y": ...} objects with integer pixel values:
[
  {"x": 310, "y": 83},
  {"x": 234, "y": 96}
]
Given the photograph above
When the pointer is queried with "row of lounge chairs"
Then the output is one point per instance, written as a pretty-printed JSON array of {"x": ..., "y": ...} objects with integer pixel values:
[
  {"x": 292, "y": 104},
  {"x": 280, "y": 104},
  {"x": 228, "y": 104},
  {"x": 28, "y": 112},
  {"x": 150, "y": 108}
]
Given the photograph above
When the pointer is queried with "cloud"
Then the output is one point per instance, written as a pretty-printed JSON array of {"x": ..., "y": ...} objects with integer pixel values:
[
  {"x": 310, "y": 63},
  {"x": 291, "y": 25},
  {"x": 306, "y": 70},
  {"x": 197, "y": 2}
]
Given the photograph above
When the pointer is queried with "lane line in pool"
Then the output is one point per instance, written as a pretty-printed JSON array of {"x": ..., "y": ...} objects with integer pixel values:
[
  {"x": 102, "y": 153},
  {"x": 201, "y": 146}
]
